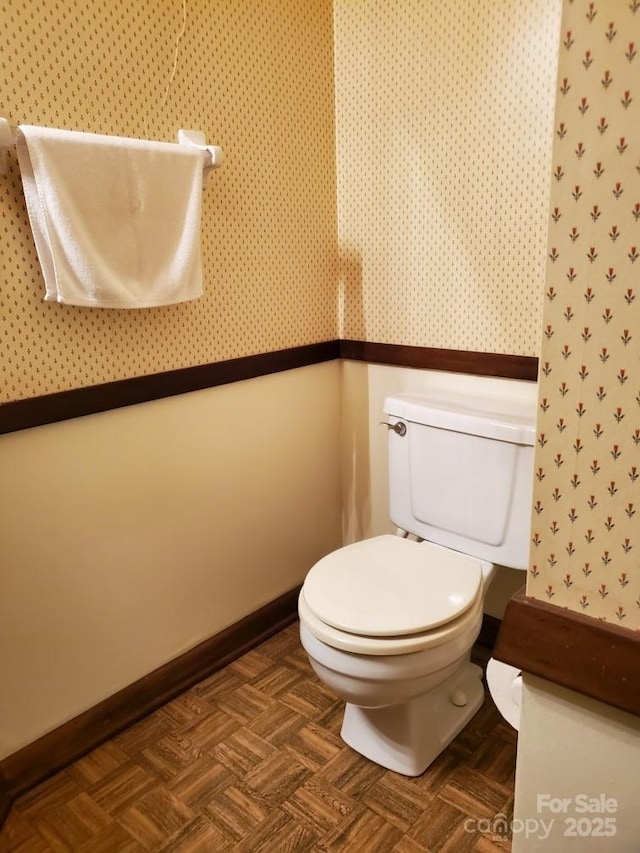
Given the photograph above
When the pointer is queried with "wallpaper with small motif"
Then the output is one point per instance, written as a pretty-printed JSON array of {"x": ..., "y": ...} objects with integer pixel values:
[
  {"x": 444, "y": 130},
  {"x": 586, "y": 520},
  {"x": 257, "y": 78},
  {"x": 444, "y": 126}
]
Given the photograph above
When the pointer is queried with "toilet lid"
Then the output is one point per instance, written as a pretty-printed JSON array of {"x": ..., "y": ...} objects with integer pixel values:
[
  {"x": 388, "y": 586},
  {"x": 468, "y": 624}
]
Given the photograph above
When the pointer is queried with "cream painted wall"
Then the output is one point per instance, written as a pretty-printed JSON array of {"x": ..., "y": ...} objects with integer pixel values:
[
  {"x": 364, "y": 448},
  {"x": 571, "y": 745},
  {"x": 128, "y": 537}
]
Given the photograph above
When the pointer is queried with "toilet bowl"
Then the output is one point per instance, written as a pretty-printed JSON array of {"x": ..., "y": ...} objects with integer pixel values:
[
  {"x": 388, "y": 623},
  {"x": 388, "y": 657}
]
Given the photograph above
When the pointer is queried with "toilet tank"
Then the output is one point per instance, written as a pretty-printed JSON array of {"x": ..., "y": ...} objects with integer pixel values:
[{"x": 461, "y": 474}]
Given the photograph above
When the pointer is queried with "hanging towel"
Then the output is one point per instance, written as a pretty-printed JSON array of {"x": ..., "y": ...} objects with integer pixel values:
[{"x": 116, "y": 221}]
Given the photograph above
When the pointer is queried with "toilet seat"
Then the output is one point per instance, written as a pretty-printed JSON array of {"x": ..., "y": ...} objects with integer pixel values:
[
  {"x": 365, "y": 645},
  {"x": 388, "y": 595}
]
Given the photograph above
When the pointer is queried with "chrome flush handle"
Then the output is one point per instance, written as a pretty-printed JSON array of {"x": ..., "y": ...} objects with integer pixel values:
[{"x": 399, "y": 428}]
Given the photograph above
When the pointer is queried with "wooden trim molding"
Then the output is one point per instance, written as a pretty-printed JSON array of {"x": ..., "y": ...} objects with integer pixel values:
[
  {"x": 590, "y": 656},
  {"x": 64, "y": 405},
  {"x": 38, "y": 760},
  {"x": 453, "y": 361}
]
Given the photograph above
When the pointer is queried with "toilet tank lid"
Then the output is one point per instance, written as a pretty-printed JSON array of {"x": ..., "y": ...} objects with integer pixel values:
[{"x": 493, "y": 417}]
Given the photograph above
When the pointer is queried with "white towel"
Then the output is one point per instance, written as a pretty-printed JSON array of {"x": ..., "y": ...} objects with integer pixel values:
[{"x": 116, "y": 221}]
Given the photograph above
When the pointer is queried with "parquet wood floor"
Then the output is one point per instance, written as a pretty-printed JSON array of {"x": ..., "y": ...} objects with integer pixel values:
[{"x": 251, "y": 760}]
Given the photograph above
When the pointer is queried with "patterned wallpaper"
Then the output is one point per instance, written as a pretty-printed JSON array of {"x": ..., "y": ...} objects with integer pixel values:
[
  {"x": 257, "y": 78},
  {"x": 443, "y": 160},
  {"x": 444, "y": 129},
  {"x": 586, "y": 546}
]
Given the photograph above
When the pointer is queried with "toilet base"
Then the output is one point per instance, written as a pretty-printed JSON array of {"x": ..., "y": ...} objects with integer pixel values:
[{"x": 408, "y": 738}]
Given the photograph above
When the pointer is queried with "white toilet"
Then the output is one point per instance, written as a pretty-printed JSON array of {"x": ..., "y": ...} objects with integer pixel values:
[{"x": 388, "y": 623}]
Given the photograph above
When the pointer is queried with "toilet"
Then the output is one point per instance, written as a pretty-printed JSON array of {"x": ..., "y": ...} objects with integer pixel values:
[{"x": 388, "y": 623}]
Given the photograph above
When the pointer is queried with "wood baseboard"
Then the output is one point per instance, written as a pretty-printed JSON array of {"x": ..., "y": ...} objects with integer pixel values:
[
  {"x": 489, "y": 631},
  {"x": 31, "y": 765},
  {"x": 590, "y": 656},
  {"x": 6, "y": 800},
  {"x": 38, "y": 760}
]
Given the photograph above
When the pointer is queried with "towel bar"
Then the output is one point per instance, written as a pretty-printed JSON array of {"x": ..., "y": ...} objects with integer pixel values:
[
  {"x": 213, "y": 158},
  {"x": 197, "y": 139}
]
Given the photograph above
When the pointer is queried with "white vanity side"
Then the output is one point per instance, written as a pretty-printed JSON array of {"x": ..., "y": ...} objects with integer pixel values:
[{"x": 577, "y": 780}]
